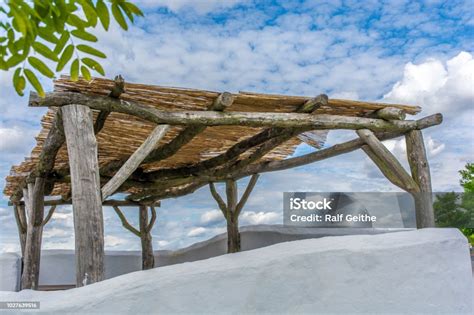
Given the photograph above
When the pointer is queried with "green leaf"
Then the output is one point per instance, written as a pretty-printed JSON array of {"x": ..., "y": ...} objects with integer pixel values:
[
  {"x": 47, "y": 34},
  {"x": 133, "y": 8},
  {"x": 34, "y": 82},
  {"x": 65, "y": 57},
  {"x": 61, "y": 43},
  {"x": 85, "y": 73},
  {"x": 94, "y": 65},
  {"x": 119, "y": 16},
  {"x": 82, "y": 34},
  {"x": 45, "y": 51},
  {"x": 76, "y": 21},
  {"x": 19, "y": 81},
  {"x": 91, "y": 51},
  {"x": 14, "y": 60},
  {"x": 126, "y": 11},
  {"x": 18, "y": 20},
  {"x": 40, "y": 66},
  {"x": 90, "y": 13},
  {"x": 103, "y": 13},
  {"x": 75, "y": 70}
]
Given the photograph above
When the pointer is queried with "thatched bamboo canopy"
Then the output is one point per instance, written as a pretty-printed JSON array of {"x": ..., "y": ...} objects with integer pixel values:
[{"x": 122, "y": 134}]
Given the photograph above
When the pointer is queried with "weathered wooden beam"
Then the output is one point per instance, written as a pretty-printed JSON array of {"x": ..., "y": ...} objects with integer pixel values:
[
  {"x": 115, "y": 92},
  {"x": 208, "y": 118},
  {"x": 47, "y": 157},
  {"x": 267, "y": 139},
  {"x": 247, "y": 192},
  {"x": 124, "y": 221},
  {"x": 390, "y": 113},
  {"x": 86, "y": 197},
  {"x": 220, "y": 202},
  {"x": 198, "y": 180},
  {"x": 109, "y": 203},
  {"x": 383, "y": 167},
  {"x": 148, "y": 259},
  {"x": 134, "y": 161},
  {"x": 233, "y": 235},
  {"x": 420, "y": 171},
  {"x": 20, "y": 218},
  {"x": 222, "y": 102},
  {"x": 34, "y": 196},
  {"x": 49, "y": 216},
  {"x": 387, "y": 162}
]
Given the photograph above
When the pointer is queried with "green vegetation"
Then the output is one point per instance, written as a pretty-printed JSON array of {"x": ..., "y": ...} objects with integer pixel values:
[
  {"x": 457, "y": 210},
  {"x": 32, "y": 32}
]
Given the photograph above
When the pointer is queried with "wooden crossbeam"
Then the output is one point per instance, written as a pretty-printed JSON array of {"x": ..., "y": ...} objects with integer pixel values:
[
  {"x": 265, "y": 140},
  {"x": 387, "y": 162},
  {"x": 134, "y": 161},
  {"x": 208, "y": 118},
  {"x": 198, "y": 181},
  {"x": 108, "y": 203},
  {"x": 222, "y": 102}
]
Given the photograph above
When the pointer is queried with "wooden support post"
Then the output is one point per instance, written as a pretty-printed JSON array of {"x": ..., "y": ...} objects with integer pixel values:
[
  {"x": 86, "y": 197},
  {"x": 21, "y": 222},
  {"x": 232, "y": 209},
  {"x": 148, "y": 259},
  {"x": 233, "y": 235},
  {"x": 420, "y": 171},
  {"x": 34, "y": 198}
]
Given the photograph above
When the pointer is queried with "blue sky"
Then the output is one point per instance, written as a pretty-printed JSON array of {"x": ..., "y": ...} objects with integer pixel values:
[{"x": 395, "y": 51}]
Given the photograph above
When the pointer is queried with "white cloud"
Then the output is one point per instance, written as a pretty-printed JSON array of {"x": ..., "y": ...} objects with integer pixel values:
[
  {"x": 55, "y": 232},
  {"x": 16, "y": 140},
  {"x": 198, "y": 231},
  {"x": 436, "y": 86},
  {"x": 212, "y": 217},
  {"x": 199, "y": 6},
  {"x": 114, "y": 241},
  {"x": 252, "y": 217}
]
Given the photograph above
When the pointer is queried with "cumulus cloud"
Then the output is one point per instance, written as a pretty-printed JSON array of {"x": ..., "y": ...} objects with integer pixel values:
[
  {"x": 16, "y": 140},
  {"x": 252, "y": 217},
  {"x": 212, "y": 217},
  {"x": 201, "y": 6},
  {"x": 437, "y": 86},
  {"x": 114, "y": 241},
  {"x": 198, "y": 231}
]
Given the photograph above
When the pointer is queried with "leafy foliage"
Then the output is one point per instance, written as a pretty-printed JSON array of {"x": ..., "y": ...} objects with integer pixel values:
[
  {"x": 36, "y": 33},
  {"x": 457, "y": 210},
  {"x": 467, "y": 178}
]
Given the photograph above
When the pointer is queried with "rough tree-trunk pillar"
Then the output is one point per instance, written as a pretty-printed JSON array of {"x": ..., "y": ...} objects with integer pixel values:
[
  {"x": 34, "y": 204},
  {"x": 420, "y": 171},
  {"x": 86, "y": 197},
  {"x": 233, "y": 235},
  {"x": 148, "y": 260},
  {"x": 21, "y": 222},
  {"x": 231, "y": 210}
]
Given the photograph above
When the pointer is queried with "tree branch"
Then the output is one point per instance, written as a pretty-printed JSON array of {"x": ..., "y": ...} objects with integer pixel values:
[
  {"x": 245, "y": 196},
  {"x": 152, "y": 220},
  {"x": 218, "y": 199},
  {"x": 125, "y": 223},
  {"x": 48, "y": 217}
]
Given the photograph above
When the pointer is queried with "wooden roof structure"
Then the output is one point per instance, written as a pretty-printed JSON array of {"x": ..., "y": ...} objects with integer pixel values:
[
  {"x": 122, "y": 133},
  {"x": 102, "y": 137}
]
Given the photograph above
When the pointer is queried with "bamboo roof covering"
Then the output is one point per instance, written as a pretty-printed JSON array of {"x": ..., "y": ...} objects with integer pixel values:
[{"x": 122, "y": 134}]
